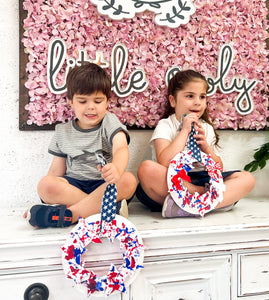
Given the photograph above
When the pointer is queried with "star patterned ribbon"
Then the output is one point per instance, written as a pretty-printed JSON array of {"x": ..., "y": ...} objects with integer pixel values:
[
  {"x": 193, "y": 146},
  {"x": 108, "y": 210},
  {"x": 109, "y": 201}
]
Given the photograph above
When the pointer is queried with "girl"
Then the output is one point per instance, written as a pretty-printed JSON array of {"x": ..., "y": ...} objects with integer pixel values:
[{"x": 187, "y": 96}]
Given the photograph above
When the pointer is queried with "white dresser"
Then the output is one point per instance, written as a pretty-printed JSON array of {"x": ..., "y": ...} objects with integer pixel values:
[{"x": 223, "y": 256}]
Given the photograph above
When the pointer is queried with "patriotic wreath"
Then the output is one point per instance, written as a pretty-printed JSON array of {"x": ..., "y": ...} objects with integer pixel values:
[
  {"x": 92, "y": 230},
  {"x": 197, "y": 204}
]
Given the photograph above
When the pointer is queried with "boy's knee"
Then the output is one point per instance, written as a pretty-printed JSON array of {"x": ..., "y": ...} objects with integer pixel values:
[
  {"x": 127, "y": 185},
  {"x": 46, "y": 187},
  {"x": 42, "y": 184},
  {"x": 130, "y": 180}
]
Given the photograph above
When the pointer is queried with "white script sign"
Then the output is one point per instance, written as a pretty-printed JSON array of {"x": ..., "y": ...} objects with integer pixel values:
[{"x": 137, "y": 81}]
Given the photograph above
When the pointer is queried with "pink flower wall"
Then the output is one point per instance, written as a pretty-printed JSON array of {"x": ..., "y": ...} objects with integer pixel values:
[{"x": 155, "y": 49}]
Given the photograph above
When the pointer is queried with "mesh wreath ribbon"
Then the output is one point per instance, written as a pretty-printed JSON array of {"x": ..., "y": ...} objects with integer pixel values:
[
  {"x": 92, "y": 230},
  {"x": 195, "y": 203},
  {"x": 178, "y": 170},
  {"x": 88, "y": 231}
]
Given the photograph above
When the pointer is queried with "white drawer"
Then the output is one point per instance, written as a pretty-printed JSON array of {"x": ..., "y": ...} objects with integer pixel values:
[
  {"x": 12, "y": 287},
  {"x": 189, "y": 279},
  {"x": 253, "y": 275}
]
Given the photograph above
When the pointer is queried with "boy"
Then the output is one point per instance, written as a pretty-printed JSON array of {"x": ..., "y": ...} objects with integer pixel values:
[{"x": 75, "y": 180}]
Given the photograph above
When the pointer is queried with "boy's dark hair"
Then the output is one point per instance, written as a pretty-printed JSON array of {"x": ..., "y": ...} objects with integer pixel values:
[{"x": 87, "y": 79}]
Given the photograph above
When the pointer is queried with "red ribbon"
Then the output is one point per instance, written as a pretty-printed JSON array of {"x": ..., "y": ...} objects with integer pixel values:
[
  {"x": 181, "y": 174},
  {"x": 213, "y": 170}
]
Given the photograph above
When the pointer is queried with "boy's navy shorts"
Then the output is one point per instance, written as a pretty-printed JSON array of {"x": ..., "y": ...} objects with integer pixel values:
[{"x": 86, "y": 186}]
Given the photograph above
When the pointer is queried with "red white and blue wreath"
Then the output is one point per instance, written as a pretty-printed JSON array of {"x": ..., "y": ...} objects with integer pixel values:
[
  {"x": 89, "y": 231},
  {"x": 92, "y": 230},
  {"x": 197, "y": 204}
]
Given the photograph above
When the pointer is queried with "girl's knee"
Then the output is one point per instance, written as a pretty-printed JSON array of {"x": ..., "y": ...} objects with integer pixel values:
[
  {"x": 144, "y": 168},
  {"x": 249, "y": 179}
]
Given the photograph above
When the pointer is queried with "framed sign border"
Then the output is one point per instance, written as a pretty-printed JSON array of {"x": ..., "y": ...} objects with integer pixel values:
[{"x": 23, "y": 91}]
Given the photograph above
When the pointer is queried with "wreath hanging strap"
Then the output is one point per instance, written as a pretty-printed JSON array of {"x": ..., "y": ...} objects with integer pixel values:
[{"x": 92, "y": 230}]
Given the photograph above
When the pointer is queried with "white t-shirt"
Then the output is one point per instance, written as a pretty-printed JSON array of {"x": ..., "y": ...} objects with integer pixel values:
[{"x": 169, "y": 128}]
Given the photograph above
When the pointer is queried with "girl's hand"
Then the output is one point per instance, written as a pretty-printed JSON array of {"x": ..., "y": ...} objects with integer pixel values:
[
  {"x": 110, "y": 173},
  {"x": 188, "y": 121},
  {"x": 201, "y": 139},
  {"x": 204, "y": 146}
]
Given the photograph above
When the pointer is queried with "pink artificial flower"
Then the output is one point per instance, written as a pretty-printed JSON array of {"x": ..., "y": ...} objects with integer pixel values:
[{"x": 155, "y": 49}]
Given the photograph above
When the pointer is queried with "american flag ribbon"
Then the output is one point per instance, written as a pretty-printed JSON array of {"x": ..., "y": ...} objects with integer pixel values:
[
  {"x": 193, "y": 146},
  {"x": 109, "y": 201}
]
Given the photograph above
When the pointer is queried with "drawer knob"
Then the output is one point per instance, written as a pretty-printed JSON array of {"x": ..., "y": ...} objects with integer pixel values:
[{"x": 36, "y": 291}]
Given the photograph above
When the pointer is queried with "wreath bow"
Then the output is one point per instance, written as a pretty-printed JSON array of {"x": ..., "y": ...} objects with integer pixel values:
[{"x": 213, "y": 170}]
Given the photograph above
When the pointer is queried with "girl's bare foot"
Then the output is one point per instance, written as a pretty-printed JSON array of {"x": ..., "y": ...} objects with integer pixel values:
[{"x": 193, "y": 188}]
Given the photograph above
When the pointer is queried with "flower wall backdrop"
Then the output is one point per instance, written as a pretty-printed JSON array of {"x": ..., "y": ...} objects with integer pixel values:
[{"x": 155, "y": 49}]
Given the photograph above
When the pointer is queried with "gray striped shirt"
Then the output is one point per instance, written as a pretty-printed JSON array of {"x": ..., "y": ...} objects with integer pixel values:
[{"x": 79, "y": 146}]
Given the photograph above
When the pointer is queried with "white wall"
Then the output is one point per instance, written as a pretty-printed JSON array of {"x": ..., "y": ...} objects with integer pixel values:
[
  {"x": 237, "y": 148},
  {"x": 23, "y": 155}
]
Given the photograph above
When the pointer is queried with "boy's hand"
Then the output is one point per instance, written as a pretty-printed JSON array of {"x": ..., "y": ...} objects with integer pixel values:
[{"x": 110, "y": 173}]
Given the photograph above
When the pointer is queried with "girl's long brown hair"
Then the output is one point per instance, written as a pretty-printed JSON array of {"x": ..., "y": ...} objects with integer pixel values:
[{"x": 177, "y": 83}]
